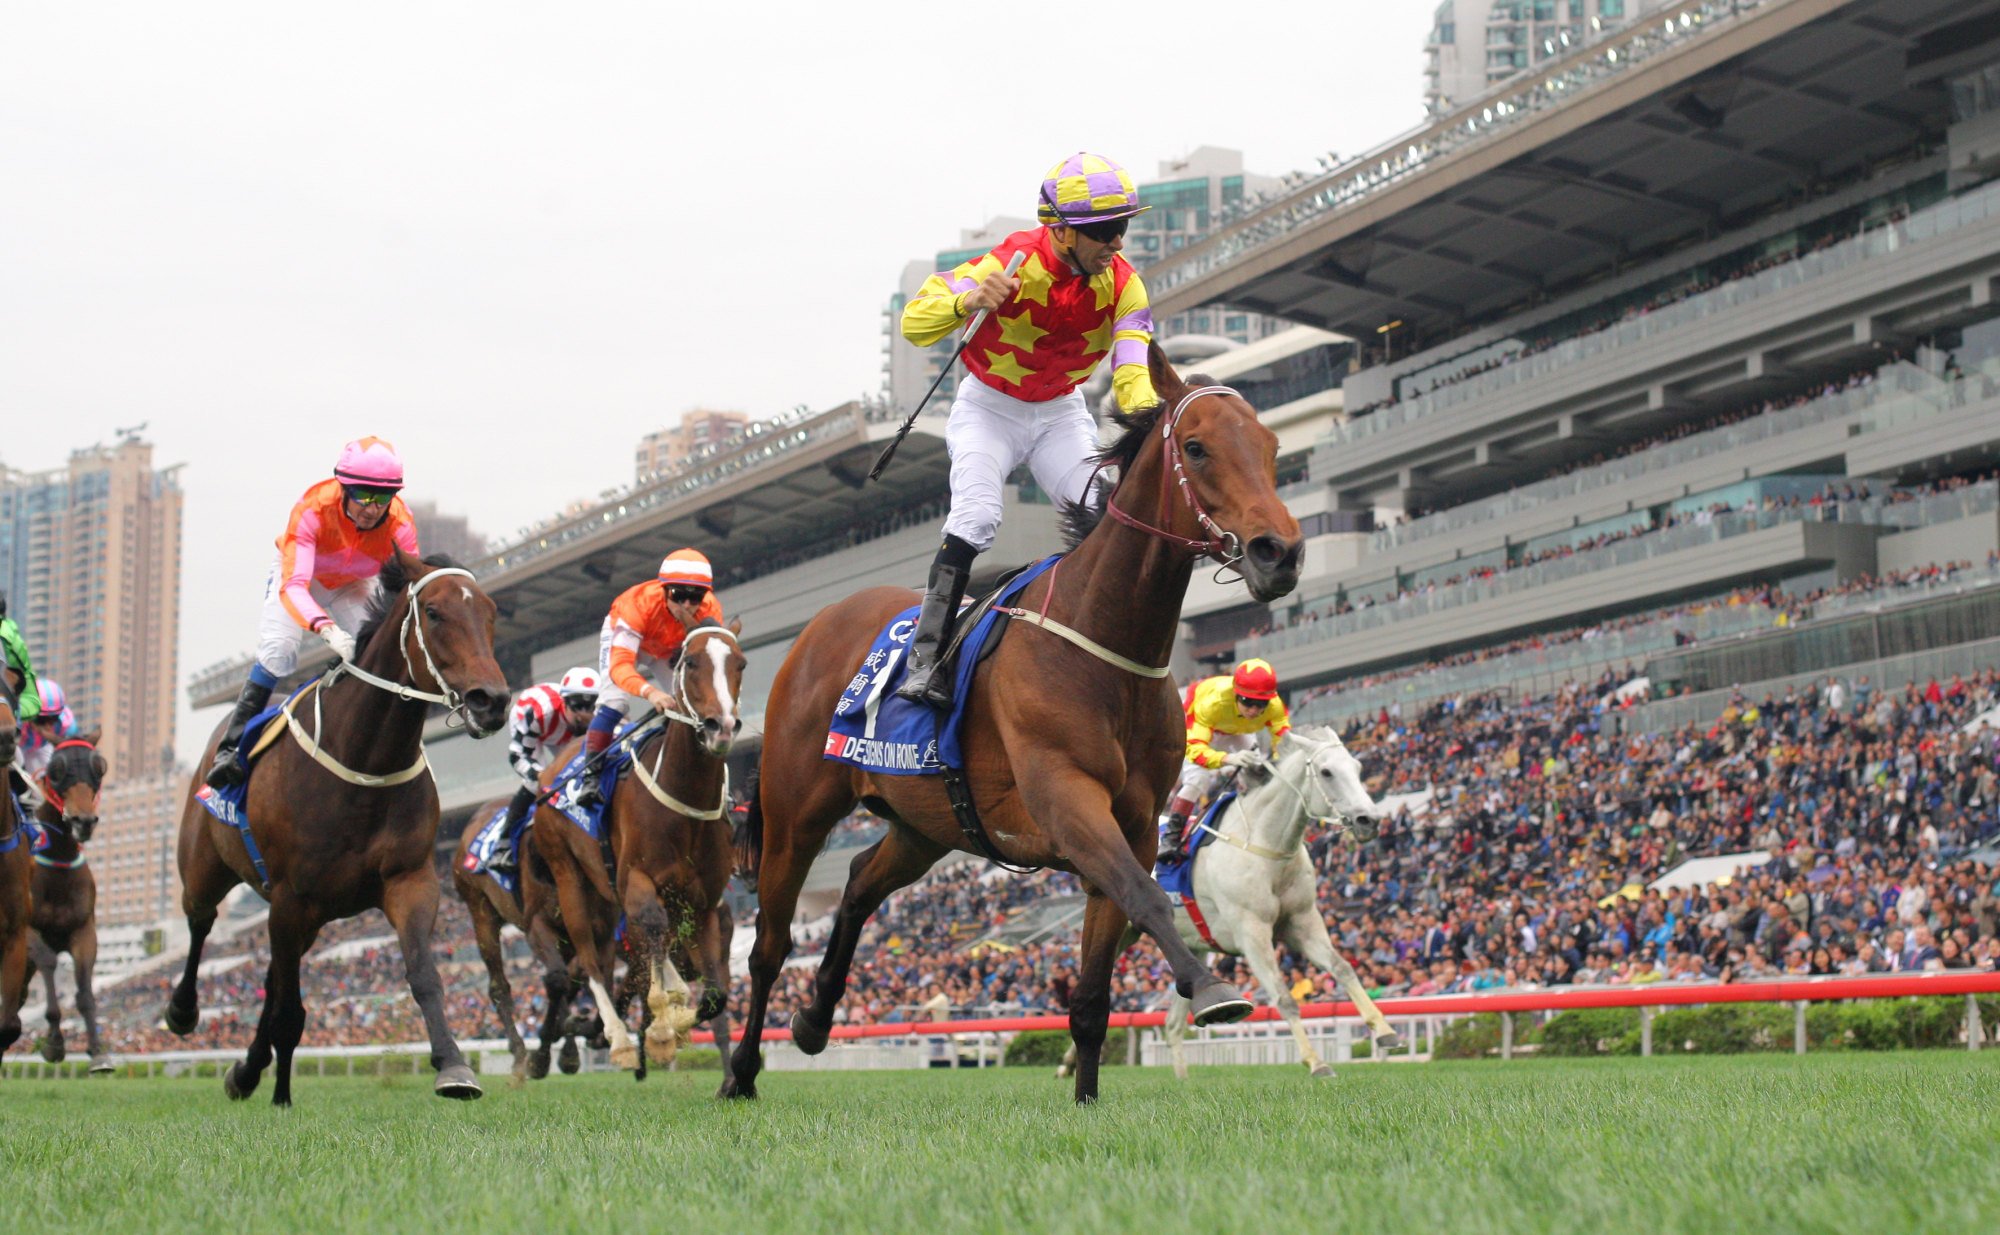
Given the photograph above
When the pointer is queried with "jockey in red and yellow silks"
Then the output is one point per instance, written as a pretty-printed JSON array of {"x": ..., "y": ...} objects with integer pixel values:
[
  {"x": 340, "y": 533},
  {"x": 643, "y": 633},
  {"x": 1074, "y": 302},
  {"x": 1225, "y": 714}
]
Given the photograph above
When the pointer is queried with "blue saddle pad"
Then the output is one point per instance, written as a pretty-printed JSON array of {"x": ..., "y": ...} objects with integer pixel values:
[
  {"x": 875, "y": 730},
  {"x": 590, "y": 818},
  {"x": 1178, "y": 879},
  {"x": 227, "y": 804},
  {"x": 478, "y": 855}
]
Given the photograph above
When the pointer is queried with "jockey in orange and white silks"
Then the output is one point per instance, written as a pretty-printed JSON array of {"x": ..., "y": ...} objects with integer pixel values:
[
  {"x": 1224, "y": 716},
  {"x": 642, "y": 637},
  {"x": 340, "y": 533},
  {"x": 1074, "y": 303}
]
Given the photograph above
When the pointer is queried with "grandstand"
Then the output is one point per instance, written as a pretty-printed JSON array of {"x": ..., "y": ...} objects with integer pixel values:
[{"x": 1644, "y": 420}]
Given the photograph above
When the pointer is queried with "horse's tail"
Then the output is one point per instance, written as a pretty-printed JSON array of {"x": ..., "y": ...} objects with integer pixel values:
[{"x": 747, "y": 836}]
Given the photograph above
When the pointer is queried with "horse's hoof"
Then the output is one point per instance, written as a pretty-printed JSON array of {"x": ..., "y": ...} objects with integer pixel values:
[
  {"x": 1384, "y": 1043},
  {"x": 808, "y": 1037},
  {"x": 232, "y": 1083},
  {"x": 538, "y": 1065},
  {"x": 733, "y": 1088},
  {"x": 626, "y": 1057},
  {"x": 570, "y": 1061},
  {"x": 457, "y": 1081},
  {"x": 1323, "y": 1072},
  {"x": 53, "y": 1049},
  {"x": 1219, "y": 1003},
  {"x": 181, "y": 1021},
  {"x": 661, "y": 1039},
  {"x": 101, "y": 1065}
]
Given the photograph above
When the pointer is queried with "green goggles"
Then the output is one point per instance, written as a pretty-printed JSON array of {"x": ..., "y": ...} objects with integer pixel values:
[{"x": 370, "y": 497}]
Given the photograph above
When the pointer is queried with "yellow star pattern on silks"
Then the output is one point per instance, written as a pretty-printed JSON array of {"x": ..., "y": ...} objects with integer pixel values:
[
  {"x": 1098, "y": 339},
  {"x": 1106, "y": 288},
  {"x": 1035, "y": 281},
  {"x": 1003, "y": 365},
  {"x": 1020, "y": 331},
  {"x": 1081, "y": 375}
]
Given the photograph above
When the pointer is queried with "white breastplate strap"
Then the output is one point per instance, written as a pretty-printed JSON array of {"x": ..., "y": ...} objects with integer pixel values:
[
  {"x": 650, "y": 779},
  {"x": 310, "y": 743},
  {"x": 1250, "y": 846},
  {"x": 1083, "y": 641}
]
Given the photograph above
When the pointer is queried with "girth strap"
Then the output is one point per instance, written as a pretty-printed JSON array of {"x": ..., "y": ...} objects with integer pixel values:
[
  {"x": 959, "y": 792},
  {"x": 1083, "y": 641}
]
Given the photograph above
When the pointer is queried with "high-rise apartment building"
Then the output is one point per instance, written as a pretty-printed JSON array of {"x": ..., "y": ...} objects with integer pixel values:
[
  {"x": 699, "y": 429},
  {"x": 1475, "y": 45},
  {"x": 90, "y": 555},
  {"x": 438, "y": 532},
  {"x": 1191, "y": 196}
]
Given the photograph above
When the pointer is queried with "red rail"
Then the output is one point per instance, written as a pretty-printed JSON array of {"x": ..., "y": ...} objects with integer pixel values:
[{"x": 1652, "y": 995}]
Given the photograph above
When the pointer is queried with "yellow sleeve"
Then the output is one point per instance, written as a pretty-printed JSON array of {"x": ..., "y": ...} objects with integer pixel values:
[
  {"x": 1278, "y": 721},
  {"x": 1198, "y": 749},
  {"x": 1131, "y": 332},
  {"x": 938, "y": 307}
]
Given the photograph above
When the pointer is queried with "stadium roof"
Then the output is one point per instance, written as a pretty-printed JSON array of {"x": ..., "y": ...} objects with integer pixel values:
[{"x": 1703, "y": 112}]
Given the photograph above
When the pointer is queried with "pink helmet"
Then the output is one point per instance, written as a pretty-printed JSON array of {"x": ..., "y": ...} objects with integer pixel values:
[
  {"x": 53, "y": 698},
  {"x": 370, "y": 461}
]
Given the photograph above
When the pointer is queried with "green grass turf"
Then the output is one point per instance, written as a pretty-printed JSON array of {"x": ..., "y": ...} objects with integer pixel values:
[{"x": 1875, "y": 1143}]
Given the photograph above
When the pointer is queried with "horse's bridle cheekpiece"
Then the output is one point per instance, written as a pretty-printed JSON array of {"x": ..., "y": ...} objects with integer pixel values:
[{"x": 1222, "y": 545}]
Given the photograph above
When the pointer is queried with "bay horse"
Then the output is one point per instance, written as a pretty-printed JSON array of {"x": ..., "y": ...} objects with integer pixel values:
[
  {"x": 344, "y": 812},
  {"x": 1074, "y": 734},
  {"x": 491, "y": 907},
  {"x": 16, "y": 880},
  {"x": 669, "y": 830},
  {"x": 65, "y": 917},
  {"x": 1256, "y": 888}
]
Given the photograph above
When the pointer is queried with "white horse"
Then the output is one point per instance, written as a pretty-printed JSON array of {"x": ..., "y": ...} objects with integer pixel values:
[{"x": 1255, "y": 886}]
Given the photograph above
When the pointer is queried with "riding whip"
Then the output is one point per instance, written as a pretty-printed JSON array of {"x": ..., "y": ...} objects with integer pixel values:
[{"x": 971, "y": 327}]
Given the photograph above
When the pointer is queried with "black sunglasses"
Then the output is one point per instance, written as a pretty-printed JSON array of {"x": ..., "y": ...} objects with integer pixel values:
[
  {"x": 1105, "y": 232},
  {"x": 686, "y": 595}
]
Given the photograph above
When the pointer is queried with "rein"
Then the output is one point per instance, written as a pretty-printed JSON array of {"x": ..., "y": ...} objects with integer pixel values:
[
  {"x": 408, "y": 692},
  {"x": 1221, "y": 544},
  {"x": 1330, "y": 818},
  {"x": 650, "y": 778}
]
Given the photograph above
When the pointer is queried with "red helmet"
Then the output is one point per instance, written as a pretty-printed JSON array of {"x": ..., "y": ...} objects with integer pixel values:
[{"x": 1255, "y": 679}]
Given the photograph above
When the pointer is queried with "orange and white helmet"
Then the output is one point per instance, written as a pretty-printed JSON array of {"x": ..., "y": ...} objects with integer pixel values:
[
  {"x": 687, "y": 568},
  {"x": 581, "y": 682},
  {"x": 1255, "y": 679}
]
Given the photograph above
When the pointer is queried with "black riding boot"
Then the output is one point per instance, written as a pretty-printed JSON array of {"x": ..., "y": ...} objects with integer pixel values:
[
  {"x": 224, "y": 773},
  {"x": 1170, "y": 839},
  {"x": 950, "y": 572},
  {"x": 507, "y": 854}
]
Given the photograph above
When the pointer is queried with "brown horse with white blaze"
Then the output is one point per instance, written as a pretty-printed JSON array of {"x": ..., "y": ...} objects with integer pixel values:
[
  {"x": 16, "y": 881},
  {"x": 1074, "y": 733},
  {"x": 345, "y": 813},
  {"x": 669, "y": 830},
  {"x": 65, "y": 917}
]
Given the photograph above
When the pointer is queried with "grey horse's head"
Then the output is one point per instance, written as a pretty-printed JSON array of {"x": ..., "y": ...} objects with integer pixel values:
[{"x": 1326, "y": 778}]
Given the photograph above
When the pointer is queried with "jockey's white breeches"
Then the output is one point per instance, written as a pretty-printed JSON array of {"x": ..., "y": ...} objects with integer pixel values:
[
  {"x": 610, "y": 695},
  {"x": 990, "y": 434},
  {"x": 1197, "y": 782},
  {"x": 278, "y": 632}
]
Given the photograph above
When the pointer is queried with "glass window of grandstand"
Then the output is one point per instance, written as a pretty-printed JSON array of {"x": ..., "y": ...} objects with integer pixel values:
[
  {"x": 1545, "y": 10},
  {"x": 1576, "y": 12},
  {"x": 1754, "y": 495},
  {"x": 1611, "y": 8},
  {"x": 1459, "y": 570},
  {"x": 1584, "y": 536}
]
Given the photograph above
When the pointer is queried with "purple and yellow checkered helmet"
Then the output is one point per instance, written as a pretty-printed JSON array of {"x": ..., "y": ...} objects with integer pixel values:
[{"x": 1087, "y": 188}]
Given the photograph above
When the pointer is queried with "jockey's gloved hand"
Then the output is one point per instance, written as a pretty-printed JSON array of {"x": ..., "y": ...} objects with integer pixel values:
[
  {"x": 660, "y": 699},
  {"x": 1242, "y": 759},
  {"x": 339, "y": 640}
]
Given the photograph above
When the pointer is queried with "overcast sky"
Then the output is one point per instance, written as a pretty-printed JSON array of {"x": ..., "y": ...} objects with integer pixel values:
[{"x": 515, "y": 237}]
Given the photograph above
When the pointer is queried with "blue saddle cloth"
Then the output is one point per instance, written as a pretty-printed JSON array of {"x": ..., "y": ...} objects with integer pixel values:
[
  {"x": 227, "y": 804},
  {"x": 591, "y": 818},
  {"x": 875, "y": 730},
  {"x": 479, "y": 854},
  {"x": 1178, "y": 880}
]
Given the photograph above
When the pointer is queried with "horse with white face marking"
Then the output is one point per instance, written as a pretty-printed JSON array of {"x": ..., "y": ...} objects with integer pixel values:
[
  {"x": 669, "y": 828},
  {"x": 1255, "y": 886}
]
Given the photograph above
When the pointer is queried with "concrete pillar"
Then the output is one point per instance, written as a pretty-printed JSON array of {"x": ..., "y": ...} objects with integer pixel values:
[
  {"x": 1646, "y": 1032},
  {"x": 1506, "y": 1035},
  {"x": 1799, "y": 1027}
]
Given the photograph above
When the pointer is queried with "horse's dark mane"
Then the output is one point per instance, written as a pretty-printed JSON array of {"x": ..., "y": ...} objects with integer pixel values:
[
  {"x": 1081, "y": 518},
  {"x": 389, "y": 587}
]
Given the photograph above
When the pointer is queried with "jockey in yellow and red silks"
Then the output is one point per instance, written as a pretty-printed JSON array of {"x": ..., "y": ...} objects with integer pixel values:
[{"x": 1074, "y": 302}]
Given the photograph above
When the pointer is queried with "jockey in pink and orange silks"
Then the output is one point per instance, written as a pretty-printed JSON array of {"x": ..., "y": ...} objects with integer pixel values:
[
  {"x": 1075, "y": 303},
  {"x": 341, "y": 532}
]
